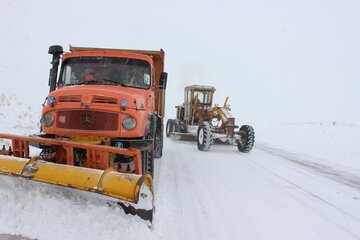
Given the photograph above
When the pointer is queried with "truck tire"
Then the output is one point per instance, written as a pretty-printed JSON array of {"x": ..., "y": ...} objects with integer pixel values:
[
  {"x": 170, "y": 127},
  {"x": 247, "y": 139},
  {"x": 147, "y": 159},
  {"x": 204, "y": 137},
  {"x": 159, "y": 140},
  {"x": 147, "y": 155}
]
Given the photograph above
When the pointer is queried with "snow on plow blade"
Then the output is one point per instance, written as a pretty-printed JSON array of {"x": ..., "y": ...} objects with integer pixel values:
[{"x": 133, "y": 189}]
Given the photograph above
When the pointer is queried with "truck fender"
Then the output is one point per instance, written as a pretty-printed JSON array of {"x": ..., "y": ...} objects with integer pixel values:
[{"x": 151, "y": 125}]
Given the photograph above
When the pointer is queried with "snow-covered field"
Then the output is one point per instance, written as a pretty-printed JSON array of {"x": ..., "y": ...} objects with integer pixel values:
[
  {"x": 301, "y": 181},
  {"x": 17, "y": 117}
]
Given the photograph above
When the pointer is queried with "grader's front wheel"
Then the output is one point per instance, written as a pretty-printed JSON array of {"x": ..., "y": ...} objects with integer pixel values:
[
  {"x": 247, "y": 138},
  {"x": 204, "y": 137},
  {"x": 170, "y": 127}
]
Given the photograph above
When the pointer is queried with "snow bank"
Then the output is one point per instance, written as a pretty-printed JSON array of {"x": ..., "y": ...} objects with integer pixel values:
[{"x": 17, "y": 117}]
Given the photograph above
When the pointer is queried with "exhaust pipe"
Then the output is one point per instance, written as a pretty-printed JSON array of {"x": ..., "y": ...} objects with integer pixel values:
[{"x": 56, "y": 51}]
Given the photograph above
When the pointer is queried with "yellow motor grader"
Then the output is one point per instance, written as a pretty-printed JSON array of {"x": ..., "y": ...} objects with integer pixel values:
[{"x": 198, "y": 120}]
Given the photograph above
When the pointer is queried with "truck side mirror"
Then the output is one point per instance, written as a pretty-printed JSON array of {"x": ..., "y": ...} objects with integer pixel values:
[
  {"x": 163, "y": 80},
  {"x": 56, "y": 51}
]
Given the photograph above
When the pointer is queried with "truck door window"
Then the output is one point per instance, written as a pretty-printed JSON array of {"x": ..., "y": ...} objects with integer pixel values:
[{"x": 68, "y": 74}]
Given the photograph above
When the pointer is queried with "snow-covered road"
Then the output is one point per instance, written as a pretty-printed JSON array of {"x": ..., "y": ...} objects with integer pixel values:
[
  {"x": 273, "y": 192},
  {"x": 267, "y": 194}
]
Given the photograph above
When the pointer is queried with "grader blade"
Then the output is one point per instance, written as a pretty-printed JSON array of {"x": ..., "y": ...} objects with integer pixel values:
[
  {"x": 188, "y": 137},
  {"x": 134, "y": 191}
]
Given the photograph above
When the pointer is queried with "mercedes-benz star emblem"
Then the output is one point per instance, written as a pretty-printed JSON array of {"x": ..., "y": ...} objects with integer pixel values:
[{"x": 87, "y": 120}]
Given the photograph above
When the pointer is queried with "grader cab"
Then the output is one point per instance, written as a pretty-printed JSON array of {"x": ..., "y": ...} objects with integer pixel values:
[{"x": 197, "y": 119}]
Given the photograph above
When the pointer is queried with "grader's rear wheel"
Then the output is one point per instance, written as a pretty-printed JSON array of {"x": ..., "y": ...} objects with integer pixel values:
[
  {"x": 204, "y": 137},
  {"x": 247, "y": 139},
  {"x": 170, "y": 127}
]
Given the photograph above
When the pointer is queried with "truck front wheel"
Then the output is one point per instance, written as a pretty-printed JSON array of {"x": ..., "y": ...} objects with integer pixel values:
[
  {"x": 159, "y": 141},
  {"x": 147, "y": 158}
]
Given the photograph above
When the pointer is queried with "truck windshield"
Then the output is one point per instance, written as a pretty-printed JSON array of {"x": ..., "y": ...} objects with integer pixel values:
[{"x": 105, "y": 70}]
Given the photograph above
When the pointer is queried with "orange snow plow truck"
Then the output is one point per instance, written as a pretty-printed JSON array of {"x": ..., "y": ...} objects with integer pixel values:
[{"x": 101, "y": 126}]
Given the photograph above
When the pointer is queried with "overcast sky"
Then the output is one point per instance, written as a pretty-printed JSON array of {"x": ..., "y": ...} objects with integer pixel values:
[{"x": 276, "y": 60}]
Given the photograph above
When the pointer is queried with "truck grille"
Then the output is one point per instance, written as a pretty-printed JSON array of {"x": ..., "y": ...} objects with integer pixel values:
[
  {"x": 70, "y": 98},
  {"x": 87, "y": 120},
  {"x": 105, "y": 100}
]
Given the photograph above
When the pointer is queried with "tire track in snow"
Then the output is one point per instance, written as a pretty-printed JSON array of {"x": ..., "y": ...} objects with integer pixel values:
[
  {"x": 309, "y": 192},
  {"x": 339, "y": 176},
  {"x": 222, "y": 194},
  {"x": 256, "y": 176},
  {"x": 207, "y": 194},
  {"x": 199, "y": 198},
  {"x": 166, "y": 222}
]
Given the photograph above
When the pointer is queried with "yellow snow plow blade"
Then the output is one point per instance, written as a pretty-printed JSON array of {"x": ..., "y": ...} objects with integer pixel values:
[
  {"x": 133, "y": 192},
  {"x": 109, "y": 182}
]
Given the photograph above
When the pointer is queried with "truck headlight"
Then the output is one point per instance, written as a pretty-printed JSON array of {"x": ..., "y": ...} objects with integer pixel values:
[
  {"x": 129, "y": 123},
  {"x": 48, "y": 119}
]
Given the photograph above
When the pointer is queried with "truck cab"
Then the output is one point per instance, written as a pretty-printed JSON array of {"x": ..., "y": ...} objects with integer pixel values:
[{"x": 110, "y": 97}]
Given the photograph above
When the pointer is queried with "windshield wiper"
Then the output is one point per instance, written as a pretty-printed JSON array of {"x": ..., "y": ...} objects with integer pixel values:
[
  {"x": 109, "y": 80},
  {"x": 89, "y": 82},
  {"x": 102, "y": 81},
  {"x": 99, "y": 81}
]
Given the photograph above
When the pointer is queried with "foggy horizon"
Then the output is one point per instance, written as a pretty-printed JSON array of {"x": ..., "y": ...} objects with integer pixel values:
[{"x": 277, "y": 61}]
